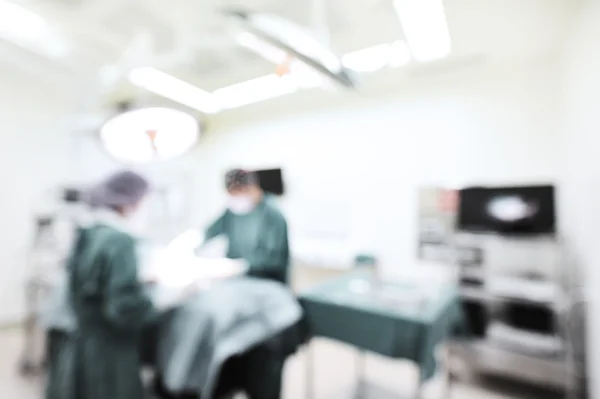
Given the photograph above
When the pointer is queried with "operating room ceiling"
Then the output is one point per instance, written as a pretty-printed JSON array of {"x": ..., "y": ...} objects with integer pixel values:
[{"x": 189, "y": 38}]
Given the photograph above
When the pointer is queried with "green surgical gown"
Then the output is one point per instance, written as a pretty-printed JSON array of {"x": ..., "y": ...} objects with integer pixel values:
[
  {"x": 101, "y": 359},
  {"x": 259, "y": 237}
]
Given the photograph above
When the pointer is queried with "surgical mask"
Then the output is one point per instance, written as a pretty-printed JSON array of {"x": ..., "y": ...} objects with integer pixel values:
[{"x": 241, "y": 205}]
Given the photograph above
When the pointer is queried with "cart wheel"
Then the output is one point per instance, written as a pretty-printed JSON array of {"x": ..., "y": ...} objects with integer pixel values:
[{"x": 27, "y": 368}]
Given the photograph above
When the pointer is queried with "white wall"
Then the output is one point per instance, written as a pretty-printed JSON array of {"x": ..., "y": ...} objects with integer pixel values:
[
  {"x": 581, "y": 167},
  {"x": 35, "y": 156},
  {"x": 352, "y": 172}
]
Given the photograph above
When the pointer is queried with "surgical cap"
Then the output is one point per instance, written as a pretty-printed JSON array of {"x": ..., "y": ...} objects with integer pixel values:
[
  {"x": 238, "y": 178},
  {"x": 120, "y": 189}
]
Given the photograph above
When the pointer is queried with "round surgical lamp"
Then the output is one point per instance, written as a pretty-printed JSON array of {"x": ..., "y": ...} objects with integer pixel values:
[
  {"x": 284, "y": 42},
  {"x": 149, "y": 134}
]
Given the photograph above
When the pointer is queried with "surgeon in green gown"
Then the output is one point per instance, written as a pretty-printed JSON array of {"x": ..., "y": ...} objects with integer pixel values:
[
  {"x": 255, "y": 228},
  {"x": 102, "y": 359}
]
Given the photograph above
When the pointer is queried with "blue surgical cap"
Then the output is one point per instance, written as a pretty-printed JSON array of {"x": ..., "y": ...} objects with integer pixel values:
[
  {"x": 238, "y": 178},
  {"x": 120, "y": 189}
]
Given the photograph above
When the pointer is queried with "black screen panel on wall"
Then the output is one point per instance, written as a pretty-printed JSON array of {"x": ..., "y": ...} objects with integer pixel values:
[
  {"x": 271, "y": 181},
  {"x": 71, "y": 195},
  {"x": 525, "y": 210}
]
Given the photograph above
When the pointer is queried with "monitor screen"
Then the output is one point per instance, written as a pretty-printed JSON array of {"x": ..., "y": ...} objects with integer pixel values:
[
  {"x": 526, "y": 210},
  {"x": 71, "y": 195},
  {"x": 271, "y": 181}
]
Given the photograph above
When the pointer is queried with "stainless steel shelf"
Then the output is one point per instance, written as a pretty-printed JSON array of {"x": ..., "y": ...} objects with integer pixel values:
[
  {"x": 484, "y": 295},
  {"x": 488, "y": 358}
]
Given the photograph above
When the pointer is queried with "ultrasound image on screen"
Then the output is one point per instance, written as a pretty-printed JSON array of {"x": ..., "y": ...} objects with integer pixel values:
[{"x": 508, "y": 210}]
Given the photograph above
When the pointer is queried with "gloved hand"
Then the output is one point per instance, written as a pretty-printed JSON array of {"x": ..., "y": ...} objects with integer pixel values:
[{"x": 187, "y": 242}]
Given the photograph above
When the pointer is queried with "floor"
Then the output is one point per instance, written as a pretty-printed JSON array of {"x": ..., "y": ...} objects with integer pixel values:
[
  {"x": 335, "y": 377},
  {"x": 335, "y": 372}
]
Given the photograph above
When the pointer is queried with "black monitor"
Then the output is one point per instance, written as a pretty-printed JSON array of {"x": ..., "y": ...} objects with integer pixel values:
[
  {"x": 71, "y": 195},
  {"x": 271, "y": 181},
  {"x": 519, "y": 210}
]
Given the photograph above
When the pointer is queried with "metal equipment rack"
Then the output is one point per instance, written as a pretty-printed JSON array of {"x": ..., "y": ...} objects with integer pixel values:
[
  {"x": 486, "y": 356},
  {"x": 37, "y": 288}
]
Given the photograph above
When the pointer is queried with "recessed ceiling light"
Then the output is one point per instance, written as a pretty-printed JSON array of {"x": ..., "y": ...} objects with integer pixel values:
[
  {"x": 399, "y": 54},
  {"x": 28, "y": 29},
  {"x": 374, "y": 58},
  {"x": 174, "y": 89},
  {"x": 425, "y": 28},
  {"x": 19, "y": 23},
  {"x": 255, "y": 90},
  {"x": 367, "y": 60}
]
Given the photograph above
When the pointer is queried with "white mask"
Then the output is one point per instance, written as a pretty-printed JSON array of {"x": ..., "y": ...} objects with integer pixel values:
[{"x": 241, "y": 205}]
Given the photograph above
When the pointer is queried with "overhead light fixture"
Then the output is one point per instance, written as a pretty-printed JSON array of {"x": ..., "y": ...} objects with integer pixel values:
[
  {"x": 265, "y": 87},
  {"x": 374, "y": 58},
  {"x": 149, "y": 134},
  {"x": 253, "y": 43},
  {"x": 28, "y": 29},
  {"x": 277, "y": 56},
  {"x": 273, "y": 86},
  {"x": 288, "y": 45},
  {"x": 425, "y": 28},
  {"x": 255, "y": 90},
  {"x": 19, "y": 23},
  {"x": 399, "y": 54},
  {"x": 237, "y": 95},
  {"x": 367, "y": 60},
  {"x": 174, "y": 89}
]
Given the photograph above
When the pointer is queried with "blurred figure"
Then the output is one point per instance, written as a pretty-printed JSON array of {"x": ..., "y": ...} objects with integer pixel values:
[
  {"x": 256, "y": 230},
  {"x": 108, "y": 300},
  {"x": 72, "y": 213}
]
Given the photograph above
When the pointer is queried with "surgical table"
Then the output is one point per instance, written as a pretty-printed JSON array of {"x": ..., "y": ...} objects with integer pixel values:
[{"x": 192, "y": 347}]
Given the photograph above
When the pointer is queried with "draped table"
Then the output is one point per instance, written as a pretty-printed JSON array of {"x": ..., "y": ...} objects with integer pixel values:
[{"x": 394, "y": 319}]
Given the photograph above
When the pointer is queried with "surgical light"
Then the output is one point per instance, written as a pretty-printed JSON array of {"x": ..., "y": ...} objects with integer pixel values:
[
  {"x": 279, "y": 57},
  {"x": 269, "y": 86},
  {"x": 149, "y": 134},
  {"x": 174, "y": 89},
  {"x": 425, "y": 28},
  {"x": 282, "y": 41}
]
